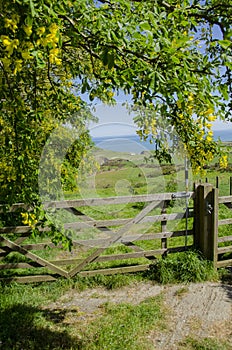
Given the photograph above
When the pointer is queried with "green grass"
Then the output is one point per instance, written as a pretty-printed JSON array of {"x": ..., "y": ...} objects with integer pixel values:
[
  {"x": 204, "y": 344},
  {"x": 182, "y": 267},
  {"x": 124, "y": 326},
  {"x": 27, "y": 321}
]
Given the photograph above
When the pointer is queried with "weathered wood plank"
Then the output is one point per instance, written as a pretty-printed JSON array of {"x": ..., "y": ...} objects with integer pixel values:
[
  {"x": 115, "y": 270},
  {"x": 224, "y": 263},
  {"x": 206, "y": 221},
  {"x": 223, "y": 250},
  {"x": 159, "y": 197},
  {"x": 19, "y": 265},
  {"x": 113, "y": 257},
  {"x": 225, "y": 222},
  {"x": 133, "y": 238},
  {"x": 89, "y": 222},
  {"x": 127, "y": 240},
  {"x": 97, "y": 201},
  {"x": 224, "y": 239},
  {"x": 15, "y": 207},
  {"x": 15, "y": 229},
  {"x": 40, "y": 246},
  {"x": 29, "y": 279},
  {"x": 224, "y": 199}
]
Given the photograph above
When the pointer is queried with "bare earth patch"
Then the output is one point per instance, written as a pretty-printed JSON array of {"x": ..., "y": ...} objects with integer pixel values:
[{"x": 196, "y": 310}]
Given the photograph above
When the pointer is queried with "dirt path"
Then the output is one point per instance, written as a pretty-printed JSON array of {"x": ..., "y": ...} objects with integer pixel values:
[{"x": 197, "y": 310}]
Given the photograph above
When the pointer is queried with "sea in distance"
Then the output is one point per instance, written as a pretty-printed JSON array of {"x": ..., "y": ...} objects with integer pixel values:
[{"x": 133, "y": 144}]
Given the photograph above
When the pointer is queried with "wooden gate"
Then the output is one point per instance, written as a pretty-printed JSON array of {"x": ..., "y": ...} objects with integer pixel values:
[{"x": 20, "y": 259}]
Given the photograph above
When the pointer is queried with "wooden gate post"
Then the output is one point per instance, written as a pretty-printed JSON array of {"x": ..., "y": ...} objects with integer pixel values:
[{"x": 206, "y": 221}]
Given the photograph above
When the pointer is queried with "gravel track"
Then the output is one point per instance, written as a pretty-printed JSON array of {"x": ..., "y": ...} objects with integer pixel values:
[{"x": 196, "y": 310}]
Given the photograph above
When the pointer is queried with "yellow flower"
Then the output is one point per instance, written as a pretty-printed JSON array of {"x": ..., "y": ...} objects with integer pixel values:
[
  {"x": 54, "y": 60},
  {"x": 223, "y": 162},
  {"x": 212, "y": 118},
  {"x": 26, "y": 55},
  {"x": 209, "y": 111},
  {"x": 191, "y": 97},
  {"x": 50, "y": 39},
  {"x": 5, "y": 40},
  {"x": 53, "y": 28},
  {"x": 10, "y": 23},
  {"x": 10, "y": 44},
  {"x": 208, "y": 138},
  {"x": 40, "y": 31},
  {"x": 30, "y": 46},
  {"x": 29, "y": 219},
  {"x": 208, "y": 125},
  {"x": 6, "y": 61},
  {"x": 110, "y": 94},
  {"x": 53, "y": 56},
  {"x": 27, "y": 30},
  {"x": 54, "y": 51},
  {"x": 18, "y": 66}
]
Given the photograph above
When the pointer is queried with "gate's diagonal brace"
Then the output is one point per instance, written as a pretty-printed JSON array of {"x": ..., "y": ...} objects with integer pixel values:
[
  {"x": 104, "y": 228},
  {"x": 15, "y": 247},
  {"x": 85, "y": 217},
  {"x": 116, "y": 238},
  {"x": 5, "y": 252}
]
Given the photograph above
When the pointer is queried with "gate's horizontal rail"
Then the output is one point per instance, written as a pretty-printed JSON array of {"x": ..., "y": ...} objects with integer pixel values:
[
  {"x": 103, "y": 258},
  {"x": 100, "y": 201},
  {"x": 98, "y": 223},
  {"x": 224, "y": 263},
  {"x": 223, "y": 250},
  {"x": 100, "y": 241},
  {"x": 224, "y": 222},
  {"x": 224, "y": 199},
  {"x": 224, "y": 239}
]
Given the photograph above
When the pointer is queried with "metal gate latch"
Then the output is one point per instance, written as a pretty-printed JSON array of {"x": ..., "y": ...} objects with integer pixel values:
[{"x": 209, "y": 208}]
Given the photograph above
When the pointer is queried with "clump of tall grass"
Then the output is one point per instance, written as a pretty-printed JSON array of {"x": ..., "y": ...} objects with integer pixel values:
[{"x": 185, "y": 267}]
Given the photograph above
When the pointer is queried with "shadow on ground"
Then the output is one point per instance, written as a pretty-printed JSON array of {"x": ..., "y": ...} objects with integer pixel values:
[{"x": 27, "y": 327}]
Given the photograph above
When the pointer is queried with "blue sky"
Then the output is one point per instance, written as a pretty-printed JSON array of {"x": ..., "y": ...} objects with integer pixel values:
[{"x": 116, "y": 121}]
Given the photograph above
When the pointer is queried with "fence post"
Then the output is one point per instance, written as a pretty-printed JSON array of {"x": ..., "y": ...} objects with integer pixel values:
[{"x": 206, "y": 221}]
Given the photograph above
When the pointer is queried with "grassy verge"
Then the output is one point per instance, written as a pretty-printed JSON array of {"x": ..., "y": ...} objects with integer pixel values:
[
  {"x": 204, "y": 344},
  {"x": 182, "y": 267},
  {"x": 124, "y": 326},
  {"x": 27, "y": 323}
]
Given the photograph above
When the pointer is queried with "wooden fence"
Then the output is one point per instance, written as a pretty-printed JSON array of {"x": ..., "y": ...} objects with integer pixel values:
[
  {"x": 23, "y": 259},
  {"x": 16, "y": 240}
]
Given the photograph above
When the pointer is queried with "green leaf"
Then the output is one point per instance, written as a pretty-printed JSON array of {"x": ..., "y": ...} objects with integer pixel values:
[
  {"x": 175, "y": 59},
  {"x": 29, "y": 21},
  {"x": 145, "y": 26},
  {"x": 32, "y": 8},
  {"x": 224, "y": 43}
]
